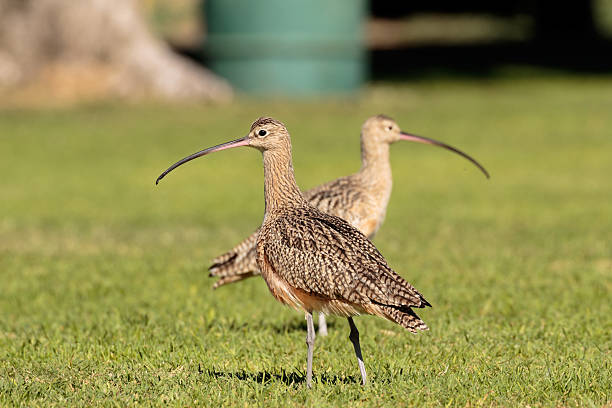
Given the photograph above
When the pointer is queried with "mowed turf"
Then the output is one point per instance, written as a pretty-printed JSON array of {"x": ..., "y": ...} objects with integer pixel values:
[{"x": 105, "y": 297}]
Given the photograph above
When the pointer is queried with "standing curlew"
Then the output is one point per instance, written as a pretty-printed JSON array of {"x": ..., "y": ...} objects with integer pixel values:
[
  {"x": 361, "y": 198},
  {"x": 313, "y": 261}
]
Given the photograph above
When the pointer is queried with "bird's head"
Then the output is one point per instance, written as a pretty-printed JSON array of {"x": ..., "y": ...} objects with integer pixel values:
[
  {"x": 381, "y": 129},
  {"x": 266, "y": 134}
]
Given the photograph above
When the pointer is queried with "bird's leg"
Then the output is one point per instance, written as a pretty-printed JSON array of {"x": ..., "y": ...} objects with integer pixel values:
[
  {"x": 310, "y": 338},
  {"x": 354, "y": 336},
  {"x": 322, "y": 325}
]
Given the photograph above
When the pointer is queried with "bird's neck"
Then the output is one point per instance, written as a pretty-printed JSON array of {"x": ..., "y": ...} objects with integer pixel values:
[
  {"x": 280, "y": 188},
  {"x": 375, "y": 165}
]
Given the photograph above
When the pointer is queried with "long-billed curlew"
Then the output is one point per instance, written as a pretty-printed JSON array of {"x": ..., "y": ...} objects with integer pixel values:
[
  {"x": 313, "y": 261},
  {"x": 360, "y": 198}
]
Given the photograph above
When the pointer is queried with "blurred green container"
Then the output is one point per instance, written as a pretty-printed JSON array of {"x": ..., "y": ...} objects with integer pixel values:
[{"x": 287, "y": 47}]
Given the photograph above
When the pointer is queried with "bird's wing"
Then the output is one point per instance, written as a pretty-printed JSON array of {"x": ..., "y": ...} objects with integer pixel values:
[
  {"x": 346, "y": 198},
  {"x": 336, "y": 197},
  {"x": 325, "y": 256}
]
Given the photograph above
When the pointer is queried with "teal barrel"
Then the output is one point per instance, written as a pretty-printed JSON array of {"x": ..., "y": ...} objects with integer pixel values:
[{"x": 287, "y": 47}]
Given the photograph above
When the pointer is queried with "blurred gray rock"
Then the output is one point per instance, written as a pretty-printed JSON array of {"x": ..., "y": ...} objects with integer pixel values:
[{"x": 101, "y": 44}]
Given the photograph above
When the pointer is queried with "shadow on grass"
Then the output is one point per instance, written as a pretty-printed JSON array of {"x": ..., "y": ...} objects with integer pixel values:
[{"x": 287, "y": 378}]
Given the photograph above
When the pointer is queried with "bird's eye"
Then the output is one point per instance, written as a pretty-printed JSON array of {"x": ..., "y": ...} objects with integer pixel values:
[
  {"x": 262, "y": 133},
  {"x": 389, "y": 127}
]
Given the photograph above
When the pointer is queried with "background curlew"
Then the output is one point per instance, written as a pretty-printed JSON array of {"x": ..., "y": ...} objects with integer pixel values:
[
  {"x": 360, "y": 198},
  {"x": 313, "y": 261}
]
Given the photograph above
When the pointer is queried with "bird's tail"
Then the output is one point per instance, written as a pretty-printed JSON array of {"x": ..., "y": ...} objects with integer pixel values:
[
  {"x": 235, "y": 265},
  {"x": 231, "y": 279},
  {"x": 221, "y": 261},
  {"x": 405, "y": 317}
]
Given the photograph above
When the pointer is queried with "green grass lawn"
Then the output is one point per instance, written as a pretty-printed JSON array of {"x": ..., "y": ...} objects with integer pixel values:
[{"x": 105, "y": 298}]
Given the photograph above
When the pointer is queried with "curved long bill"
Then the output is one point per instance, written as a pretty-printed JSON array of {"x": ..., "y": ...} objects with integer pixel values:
[
  {"x": 425, "y": 140},
  {"x": 243, "y": 141}
]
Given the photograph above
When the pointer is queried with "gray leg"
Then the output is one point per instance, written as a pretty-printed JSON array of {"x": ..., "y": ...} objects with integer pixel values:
[
  {"x": 322, "y": 325},
  {"x": 310, "y": 338},
  {"x": 354, "y": 336}
]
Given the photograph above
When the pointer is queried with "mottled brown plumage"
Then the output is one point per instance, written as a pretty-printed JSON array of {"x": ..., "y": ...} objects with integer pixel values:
[
  {"x": 360, "y": 198},
  {"x": 313, "y": 261}
]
